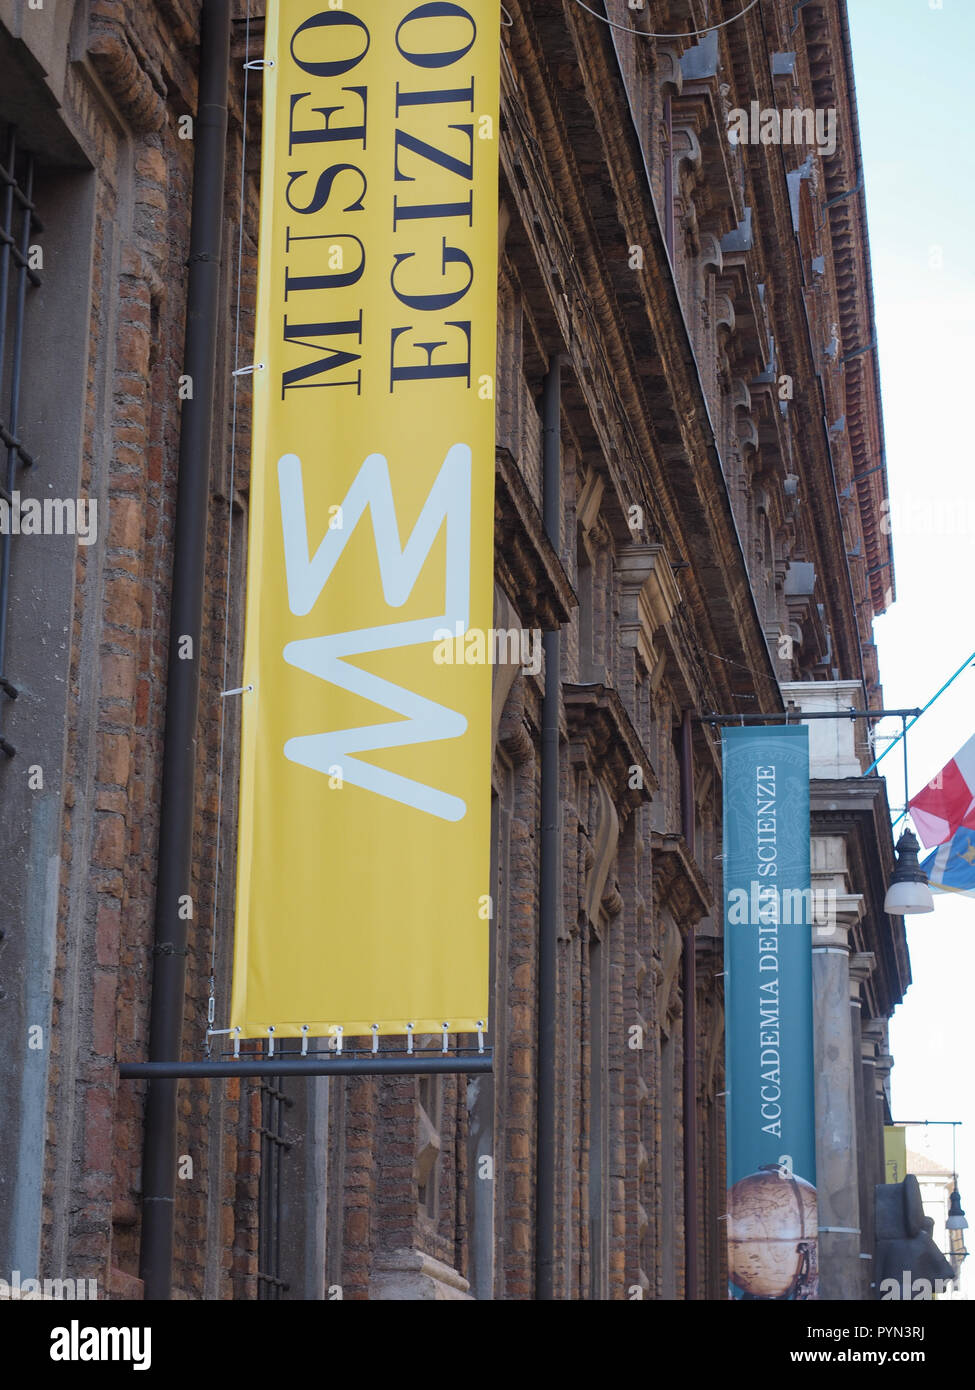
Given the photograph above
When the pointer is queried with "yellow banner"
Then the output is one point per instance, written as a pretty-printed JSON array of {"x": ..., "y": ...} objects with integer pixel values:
[{"x": 364, "y": 838}]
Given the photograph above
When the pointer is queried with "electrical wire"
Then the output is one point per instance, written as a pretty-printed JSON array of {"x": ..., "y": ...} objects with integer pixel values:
[
  {"x": 969, "y": 661},
  {"x": 643, "y": 34}
]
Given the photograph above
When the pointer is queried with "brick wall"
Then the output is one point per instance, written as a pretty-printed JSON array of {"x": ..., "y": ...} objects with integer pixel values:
[{"x": 635, "y": 427}]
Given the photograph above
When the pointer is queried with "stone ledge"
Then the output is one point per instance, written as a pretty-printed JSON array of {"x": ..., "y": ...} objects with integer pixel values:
[{"x": 410, "y": 1275}]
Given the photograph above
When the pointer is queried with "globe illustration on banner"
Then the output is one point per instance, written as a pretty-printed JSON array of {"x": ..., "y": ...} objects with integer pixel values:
[{"x": 772, "y": 1235}]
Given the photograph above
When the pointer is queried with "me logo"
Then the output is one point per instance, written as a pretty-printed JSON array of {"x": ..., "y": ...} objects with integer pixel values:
[{"x": 424, "y": 721}]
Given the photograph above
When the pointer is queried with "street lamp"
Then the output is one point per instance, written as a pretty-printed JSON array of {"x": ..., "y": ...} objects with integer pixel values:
[
  {"x": 908, "y": 891},
  {"x": 955, "y": 1220},
  {"x": 956, "y": 1217}
]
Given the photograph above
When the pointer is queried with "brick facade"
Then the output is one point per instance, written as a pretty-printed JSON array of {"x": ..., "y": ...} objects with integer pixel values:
[{"x": 695, "y": 510}]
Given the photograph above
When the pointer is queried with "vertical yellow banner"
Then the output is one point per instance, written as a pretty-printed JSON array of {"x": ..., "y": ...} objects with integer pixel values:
[{"x": 364, "y": 837}]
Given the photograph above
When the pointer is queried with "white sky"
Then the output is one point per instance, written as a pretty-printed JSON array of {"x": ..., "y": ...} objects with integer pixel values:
[{"x": 912, "y": 65}]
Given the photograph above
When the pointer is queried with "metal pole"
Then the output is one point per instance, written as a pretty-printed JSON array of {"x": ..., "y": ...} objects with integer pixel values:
[
  {"x": 305, "y": 1066},
  {"x": 689, "y": 983},
  {"x": 550, "y": 860},
  {"x": 954, "y": 1134},
  {"x": 183, "y": 682},
  {"x": 798, "y": 716},
  {"x": 919, "y": 1123}
]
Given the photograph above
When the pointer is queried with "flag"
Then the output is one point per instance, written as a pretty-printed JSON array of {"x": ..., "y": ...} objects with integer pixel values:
[
  {"x": 951, "y": 868},
  {"x": 948, "y": 802}
]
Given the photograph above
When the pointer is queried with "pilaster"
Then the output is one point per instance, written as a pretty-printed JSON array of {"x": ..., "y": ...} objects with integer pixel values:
[{"x": 837, "y": 1183}]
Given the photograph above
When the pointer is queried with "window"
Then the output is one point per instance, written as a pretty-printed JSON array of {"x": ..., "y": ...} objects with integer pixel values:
[
  {"x": 18, "y": 251},
  {"x": 47, "y": 198},
  {"x": 598, "y": 1114},
  {"x": 668, "y": 1167},
  {"x": 430, "y": 1112},
  {"x": 275, "y": 1147}
]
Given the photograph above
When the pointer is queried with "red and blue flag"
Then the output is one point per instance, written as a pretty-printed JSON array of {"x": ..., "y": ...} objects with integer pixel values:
[
  {"x": 951, "y": 868},
  {"x": 947, "y": 804}
]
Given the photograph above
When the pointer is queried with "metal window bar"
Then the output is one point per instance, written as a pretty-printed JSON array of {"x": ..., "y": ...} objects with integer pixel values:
[
  {"x": 275, "y": 1146},
  {"x": 18, "y": 223}
]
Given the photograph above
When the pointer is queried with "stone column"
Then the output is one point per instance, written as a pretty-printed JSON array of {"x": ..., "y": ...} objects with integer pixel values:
[
  {"x": 875, "y": 1044},
  {"x": 304, "y": 1189},
  {"x": 840, "y": 1272},
  {"x": 883, "y": 1063},
  {"x": 861, "y": 968}
]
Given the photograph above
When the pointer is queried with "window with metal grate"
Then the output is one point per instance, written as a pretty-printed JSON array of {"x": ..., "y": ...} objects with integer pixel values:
[
  {"x": 275, "y": 1147},
  {"x": 18, "y": 226}
]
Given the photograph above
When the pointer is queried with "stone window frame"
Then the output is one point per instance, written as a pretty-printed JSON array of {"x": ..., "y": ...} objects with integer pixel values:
[
  {"x": 429, "y": 1141},
  {"x": 599, "y": 965},
  {"x": 41, "y": 610}
]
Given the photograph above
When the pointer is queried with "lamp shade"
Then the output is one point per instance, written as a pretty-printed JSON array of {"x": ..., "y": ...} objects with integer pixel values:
[
  {"x": 905, "y": 898},
  {"x": 956, "y": 1217},
  {"x": 908, "y": 891}
]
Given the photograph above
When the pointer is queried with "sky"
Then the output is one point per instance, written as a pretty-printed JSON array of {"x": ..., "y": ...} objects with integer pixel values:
[{"x": 912, "y": 66}]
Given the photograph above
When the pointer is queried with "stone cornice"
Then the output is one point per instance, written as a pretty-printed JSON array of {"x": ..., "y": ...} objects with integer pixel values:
[
  {"x": 678, "y": 882},
  {"x": 584, "y": 131},
  {"x": 602, "y": 740},
  {"x": 776, "y": 261},
  {"x": 831, "y": 74}
]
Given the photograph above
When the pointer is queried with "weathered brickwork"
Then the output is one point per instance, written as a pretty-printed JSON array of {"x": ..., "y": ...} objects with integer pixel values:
[{"x": 702, "y": 558}]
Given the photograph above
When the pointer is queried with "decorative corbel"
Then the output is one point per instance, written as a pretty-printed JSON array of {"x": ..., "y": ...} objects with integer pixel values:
[
  {"x": 687, "y": 156},
  {"x": 710, "y": 255},
  {"x": 503, "y": 675},
  {"x": 670, "y": 79},
  {"x": 604, "y": 841},
  {"x": 649, "y": 597},
  {"x": 724, "y": 315},
  {"x": 124, "y": 71},
  {"x": 671, "y": 949},
  {"x": 589, "y": 500}
]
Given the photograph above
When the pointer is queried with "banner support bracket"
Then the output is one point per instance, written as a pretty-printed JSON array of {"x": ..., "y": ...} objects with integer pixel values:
[
  {"x": 800, "y": 716},
  {"x": 289, "y": 1065}
]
